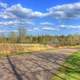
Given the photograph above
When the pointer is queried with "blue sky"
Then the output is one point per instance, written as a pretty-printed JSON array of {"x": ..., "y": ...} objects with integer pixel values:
[{"x": 40, "y": 17}]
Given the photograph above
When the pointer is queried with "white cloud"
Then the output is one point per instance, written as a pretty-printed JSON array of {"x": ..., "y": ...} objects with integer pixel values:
[
  {"x": 3, "y": 5},
  {"x": 30, "y": 23},
  {"x": 16, "y": 23},
  {"x": 34, "y": 29},
  {"x": 49, "y": 28},
  {"x": 7, "y": 31},
  {"x": 65, "y": 11},
  {"x": 19, "y": 12},
  {"x": 43, "y": 28},
  {"x": 60, "y": 11},
  {"x": 7, "y": 15},
  {"x": 9, "y": 23},
  {"x": 39, "y": 14},
  {"x": 46, "y": 23},
  {"x": 70, "y": 26}
]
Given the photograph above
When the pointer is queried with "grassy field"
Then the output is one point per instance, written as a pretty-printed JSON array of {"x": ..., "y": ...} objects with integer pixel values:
[
  {"x": 9, "y": 49},
  {"x": 70, "y": 69}
]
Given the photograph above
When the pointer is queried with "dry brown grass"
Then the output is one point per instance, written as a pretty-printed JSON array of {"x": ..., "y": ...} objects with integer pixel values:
[{"x": 6, "y": 48}]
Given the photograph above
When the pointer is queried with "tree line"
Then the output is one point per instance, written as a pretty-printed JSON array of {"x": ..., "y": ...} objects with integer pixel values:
[{"x": 22, "y": 37}]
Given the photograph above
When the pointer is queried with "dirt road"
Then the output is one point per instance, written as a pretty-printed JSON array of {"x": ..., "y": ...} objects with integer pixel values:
[{"x": 37, "y": 66}]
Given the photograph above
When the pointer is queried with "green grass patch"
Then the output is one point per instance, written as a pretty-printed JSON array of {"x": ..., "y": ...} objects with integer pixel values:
[{"x": 71, "y": 69}]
